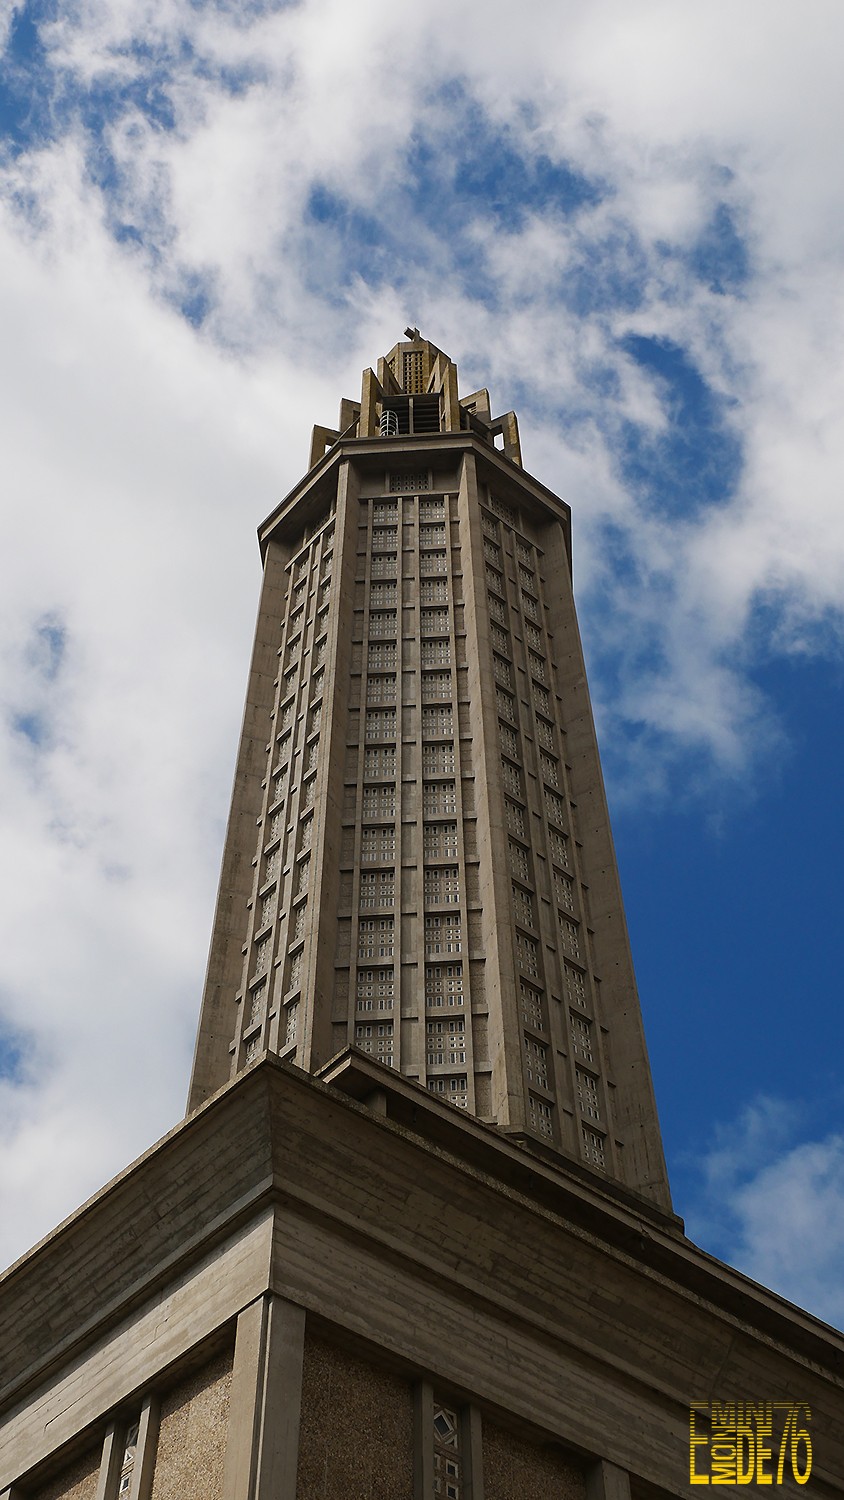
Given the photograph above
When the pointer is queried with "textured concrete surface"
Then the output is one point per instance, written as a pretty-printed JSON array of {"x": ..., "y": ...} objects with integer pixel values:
[
  {"x": 78, "y": 1482},
  {"x": 356, "y": 1438},
  {"x": 192, "y": 1436},
  {"x": 514, "y": 1469}
]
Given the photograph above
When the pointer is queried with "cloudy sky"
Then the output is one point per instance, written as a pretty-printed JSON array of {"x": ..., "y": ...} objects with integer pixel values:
[{"x": 626, "y": 219}]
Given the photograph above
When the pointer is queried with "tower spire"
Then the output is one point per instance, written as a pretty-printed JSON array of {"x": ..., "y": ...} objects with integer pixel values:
[{"x": 419, "y": 862}]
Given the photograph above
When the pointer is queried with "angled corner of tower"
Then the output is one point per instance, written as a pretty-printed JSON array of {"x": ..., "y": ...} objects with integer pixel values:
[{"x": 419, "y": 868}]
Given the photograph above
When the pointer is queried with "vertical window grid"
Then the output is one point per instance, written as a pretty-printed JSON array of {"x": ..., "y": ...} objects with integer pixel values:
[
  {"x": 439, "y": 798},
  {"x": 523, "y": 906},
  {"x": 519, "y": 862},
  {"x": 439, "y": 840},
  {"x": 570, "y": 937},
  {"x": 501, "y": 671},
  {"x": 375, "y": 989},
  {"x": 443, "y": 984},
  {"x": 438, "y": 723},
  {"x": 564, "y": 890},
  {"x": 378, "y": 845},
  {"x": 515, "y": 818},
  {"x": 442, "y": 885},
  {"x": 130, "y": 1450},
  {"x": 377, "y": 888},
  {"x": 438, "y": 760},
  {"x": 380, "y": 762},
  {"x": 382, "y": 654},
  {"x": 379, "y": 801},
  {"x": 536, "y": 1063},
  {"x": 531, "y": 1006},
  {"x": 443, "y": 934},
  {"x": 434, "y": 621},
  {"x": 540, "y": 1116},
  {"x": 382, "y": 622},
  {"x": 581, "y": 1036},
  {"x": 446, "y": 1042},
  {"x": 433, "y": 590},
  {"x": 376, "y": 936},
  {"x": 593, "y": 1146},
  {"x": 452, "y": 1088},
  {"x": 436, "y": 652},
  {"x": 376, "y": 1037},
  {"x": 381, "y": 689},
  {"x": 380, "y": 726},
  {"x": 587, "y": 1094},
  {"x": 435, "y": 685},
  {"x": 527, "y": 955}
]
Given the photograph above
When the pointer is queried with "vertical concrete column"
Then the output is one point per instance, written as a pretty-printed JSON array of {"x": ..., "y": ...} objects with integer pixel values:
[
  {"x": 451, "y": 403},
  {"x": 605, "y": 1481},
  {"x": 369, "y": 392},
  {"x": 141, "y": 1486},
  {"x": 262, "y": 1453},
  {"x": 114, "y": 1449},
  {"x": 111, "y": 1461},
  {"x": 423, "y": 1441},
  {"x": 471, "y": 1438}
]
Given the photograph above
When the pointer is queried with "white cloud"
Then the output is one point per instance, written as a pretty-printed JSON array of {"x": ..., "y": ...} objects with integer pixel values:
[{"x": 773, "y": 1205}]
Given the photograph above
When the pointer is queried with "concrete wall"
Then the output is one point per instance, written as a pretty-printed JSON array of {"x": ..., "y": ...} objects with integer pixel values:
[
  {"x": 77, "y": 1482},
  {"x": 192, "y": 1437},
  {"x": 356, "y": 1436},
  {"x": 515, "y": 1470}
]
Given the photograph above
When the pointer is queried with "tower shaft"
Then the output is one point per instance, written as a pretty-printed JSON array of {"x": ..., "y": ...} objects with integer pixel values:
[{"x": 419, "y": 860}]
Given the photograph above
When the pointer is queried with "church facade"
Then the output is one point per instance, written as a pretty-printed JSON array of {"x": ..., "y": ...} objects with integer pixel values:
[{"x": 414, "y": 1237}]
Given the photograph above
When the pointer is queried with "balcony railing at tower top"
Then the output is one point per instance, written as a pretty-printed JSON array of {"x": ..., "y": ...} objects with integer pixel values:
[
  {"x": 427, "y": 403},
  {"x": 401, "y": 415}
]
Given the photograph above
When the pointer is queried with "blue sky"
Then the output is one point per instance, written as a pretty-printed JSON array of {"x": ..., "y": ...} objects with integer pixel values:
[{"x": 626, "y": 222}]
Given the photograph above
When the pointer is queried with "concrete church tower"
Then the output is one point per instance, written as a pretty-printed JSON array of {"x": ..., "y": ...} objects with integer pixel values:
[
  {"x": 432, "y": 879},
  {"x": 413, "y": 1239}
]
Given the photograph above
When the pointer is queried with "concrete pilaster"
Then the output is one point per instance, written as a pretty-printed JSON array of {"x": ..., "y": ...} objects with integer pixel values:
[
  {"x": 113, "y": 1449},
  {"x": 263, "y": 1442},
  {"x": 141, "y": 1486},
  {"x": 423, "y": 1441},
  {"x": 605, "y": 1481}
]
